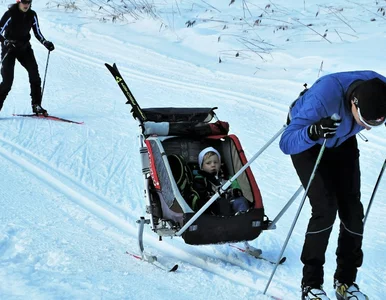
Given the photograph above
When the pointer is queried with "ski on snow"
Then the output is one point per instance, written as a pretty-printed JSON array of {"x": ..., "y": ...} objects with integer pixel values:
[
  {"x": 153, "y": 260},
  {"x": 257, "y": 254},
  {"x": 48, "y": 117}
]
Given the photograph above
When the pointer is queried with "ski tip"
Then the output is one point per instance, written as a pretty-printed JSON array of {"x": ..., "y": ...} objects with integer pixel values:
[
  {"x": 112, "y": 67},
  {"x": 175, "y": 268},
  {"x": 134, "y": 255},
  {"x": 283, "y": 259}
]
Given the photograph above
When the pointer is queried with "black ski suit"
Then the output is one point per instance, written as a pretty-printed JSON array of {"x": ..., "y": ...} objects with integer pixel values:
[
  {"x": 335, "y": 188},
  {"x": 16, "y": 25}
]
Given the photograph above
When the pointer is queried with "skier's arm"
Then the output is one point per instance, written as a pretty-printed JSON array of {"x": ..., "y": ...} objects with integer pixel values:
[
  {"x": 295, "y": 138},
  {"x": 36, "y": 29},
  {"x": 38, "y": 34},
  {"x": 6, "y": 18}
]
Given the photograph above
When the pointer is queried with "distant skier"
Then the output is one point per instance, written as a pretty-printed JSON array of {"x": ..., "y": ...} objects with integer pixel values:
[
  {"x": 15, "y": 27},
  {"x": 359, "y": 98}
]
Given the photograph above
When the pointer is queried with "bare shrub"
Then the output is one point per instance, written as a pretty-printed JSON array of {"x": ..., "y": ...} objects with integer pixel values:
[
  {"x": 110, "y": 10},
  {"x": 67, "y": 5}
]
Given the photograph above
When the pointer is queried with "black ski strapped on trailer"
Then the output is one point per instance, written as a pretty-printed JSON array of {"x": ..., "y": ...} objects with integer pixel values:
[{"x": 137, "y": 111}]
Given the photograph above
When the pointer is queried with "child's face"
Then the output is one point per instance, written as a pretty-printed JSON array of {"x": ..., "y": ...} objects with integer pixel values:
[{"x": 211, "y": 164}]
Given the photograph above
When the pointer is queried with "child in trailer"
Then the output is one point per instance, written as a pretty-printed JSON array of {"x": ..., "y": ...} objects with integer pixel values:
[{"x": 207, "y": 181}]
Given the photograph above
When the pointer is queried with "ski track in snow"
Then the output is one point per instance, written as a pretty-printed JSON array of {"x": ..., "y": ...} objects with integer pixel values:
[
  {"x": 224, "y": 95},
  {"x": 215, "y": 262},
  {"x": 276, "y": 109}
]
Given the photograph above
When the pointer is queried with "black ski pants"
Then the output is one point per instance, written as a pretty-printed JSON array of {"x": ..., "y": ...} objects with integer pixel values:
[
  {"x": 335, "y": 188},
  {"x": 27, "y": 59}
]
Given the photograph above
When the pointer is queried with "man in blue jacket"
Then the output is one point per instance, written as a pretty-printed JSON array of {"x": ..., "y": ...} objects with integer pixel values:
[
  {"x": 15, "y": 27},
  {"x": 359, "y": 98}
]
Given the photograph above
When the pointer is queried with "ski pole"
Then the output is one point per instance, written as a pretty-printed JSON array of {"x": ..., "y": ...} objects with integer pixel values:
[
  {"x": 374, "y": 191},
  {"x": 336, "y": 117},
  {"x": 6, "y": 54},
  {"x": 45, "y": 73},
  {"x": 289, "y": 203},
  {"x": 227, "y": 184},
  {"x": 298, "y": 213}
]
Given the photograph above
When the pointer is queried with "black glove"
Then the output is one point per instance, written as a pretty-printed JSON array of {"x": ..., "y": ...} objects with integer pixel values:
[
  {"x": 49, "y": 45},
  {"x": 10, "y": 44},
  {"x": 325, "y": 128}
]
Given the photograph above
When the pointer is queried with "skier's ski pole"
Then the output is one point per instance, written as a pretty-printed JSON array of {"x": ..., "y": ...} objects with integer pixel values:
[
  {"x": 298, "y": 213},
  {"x": 374, "y": 191},
  {"x": 281, "y": 213},
  {"x": 45, "y": 73},
  {"x": 227, "y": 184},
  {"x": 5, "y": 56},
  {"x": 318, "y": 159}
]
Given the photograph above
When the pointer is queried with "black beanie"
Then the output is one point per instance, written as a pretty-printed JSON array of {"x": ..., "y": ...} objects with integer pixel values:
[{"x": 371, "y": 95}]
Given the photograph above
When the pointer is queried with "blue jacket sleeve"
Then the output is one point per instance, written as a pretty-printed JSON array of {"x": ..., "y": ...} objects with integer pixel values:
[{"x": 307, "y": 111}]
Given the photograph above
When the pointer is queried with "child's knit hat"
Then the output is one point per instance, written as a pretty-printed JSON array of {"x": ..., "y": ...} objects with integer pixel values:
[{"x": 205, "y": 151}]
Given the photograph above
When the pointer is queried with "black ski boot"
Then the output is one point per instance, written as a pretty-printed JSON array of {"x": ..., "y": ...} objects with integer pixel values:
[
  {"x": 38, "y": 110},
  {"x": 344, "y": 291},
  {"x": 310, "y": 293}
]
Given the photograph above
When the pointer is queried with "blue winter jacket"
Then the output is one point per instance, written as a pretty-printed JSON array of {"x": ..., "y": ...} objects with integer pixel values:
[{"x": 328, "y": 95}]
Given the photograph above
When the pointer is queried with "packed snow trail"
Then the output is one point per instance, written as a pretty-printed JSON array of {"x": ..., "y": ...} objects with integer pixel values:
[{"x": 72, "y": 193}]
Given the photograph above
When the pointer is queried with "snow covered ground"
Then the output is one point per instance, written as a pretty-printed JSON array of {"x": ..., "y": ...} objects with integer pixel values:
[{"x": 70, "y": 195}]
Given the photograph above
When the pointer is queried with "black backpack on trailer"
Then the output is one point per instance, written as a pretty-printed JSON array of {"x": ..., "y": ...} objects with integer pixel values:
[{"x": 183, "y": 176}]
